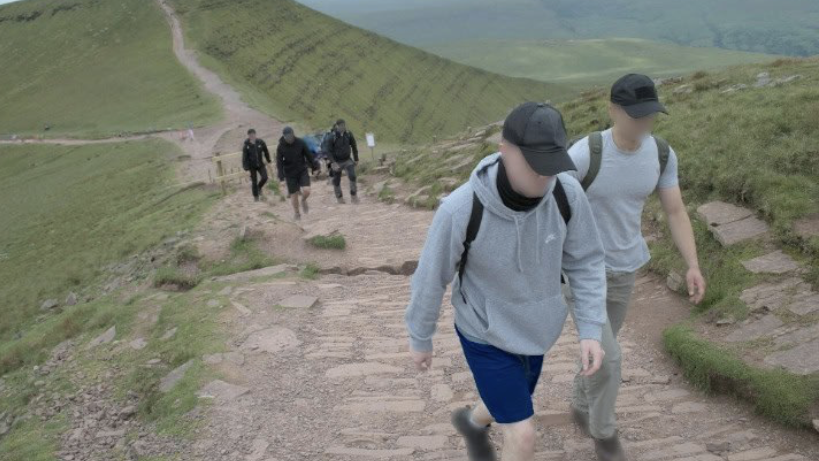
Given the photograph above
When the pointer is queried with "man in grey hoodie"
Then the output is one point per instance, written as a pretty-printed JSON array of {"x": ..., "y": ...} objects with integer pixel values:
[{"x": 509, "y": 311}]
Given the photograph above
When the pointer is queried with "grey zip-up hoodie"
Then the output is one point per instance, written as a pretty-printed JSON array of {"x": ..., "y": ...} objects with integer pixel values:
[{"x": 512, "y": 277}]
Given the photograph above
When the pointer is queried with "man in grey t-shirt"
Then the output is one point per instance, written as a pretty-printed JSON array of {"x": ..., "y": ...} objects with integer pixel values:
[{"x": 620, "y": 168}]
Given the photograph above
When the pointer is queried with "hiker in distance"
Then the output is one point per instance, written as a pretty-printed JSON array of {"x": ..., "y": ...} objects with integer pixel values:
[
  {"x": 254, "y": 153},
  {"x": 619, "y": 168},
  {"x": 293, "y": 158},
  {"x": 341, "y": 145},
  {"x": 500, "y": 239}
]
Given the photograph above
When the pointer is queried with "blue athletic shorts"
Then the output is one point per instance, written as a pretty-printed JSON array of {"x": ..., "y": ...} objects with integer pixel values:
[{"x": 505, "y": 381}]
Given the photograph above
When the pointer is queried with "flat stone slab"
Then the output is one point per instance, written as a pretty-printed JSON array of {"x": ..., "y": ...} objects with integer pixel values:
[
  {"x": 771, "y": 263},
  {"x": 271, "y": 340},
  {"x": 263, "y": 272},
  {"x": 423, "y": 442},
  {"x": 138, "y": 344},
  {"x": 168, "y": 382},
  {"x": 772, "y": 296},
  {"x": 719, "y": 213},
  {"x": 299, "y": 302},
  {"x": 804, "y": 304},
  {"x": 362, "y": 369},
  {"x": 802, "y": 360},
  {"x": 362, "y": 453},
  {"x": 799, "y": 336},
  {"x": 739, "y": 231},
  {"x": 755, "y": 330},
  {"x": 104, "y": 338},
  {"x": 221, "y": 391}
]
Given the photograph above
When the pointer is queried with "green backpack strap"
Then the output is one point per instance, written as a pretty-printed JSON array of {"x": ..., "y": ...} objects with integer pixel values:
[
  {"x": 595, "y": 158},
  {"x": 663, "y": 151}
]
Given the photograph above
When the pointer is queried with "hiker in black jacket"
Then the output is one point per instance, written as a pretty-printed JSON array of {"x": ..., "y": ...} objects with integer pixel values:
[
  {"x": 252, "y": 161},
  {"x": 293, "y": 158},
  {"x": 342, "y": 144}
]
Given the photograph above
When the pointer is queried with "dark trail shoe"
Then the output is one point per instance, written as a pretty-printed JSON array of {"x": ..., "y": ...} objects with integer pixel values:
[
  {"x": 478, "y": 446},
  {"x": 256, "y": 198},
  {"x": 354, "y": 199},
  {"x": 609, "y": 449},
  {"x": 341, "y": 200},
  {"x": 581, "y": 420}
]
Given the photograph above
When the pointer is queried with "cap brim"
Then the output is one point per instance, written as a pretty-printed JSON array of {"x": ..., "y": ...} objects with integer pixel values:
[
  {"x": 644, "y": 109},
  {"x": 548, "y": 163}
]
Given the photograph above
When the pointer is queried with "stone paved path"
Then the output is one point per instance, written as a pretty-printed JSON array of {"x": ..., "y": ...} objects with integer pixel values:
[{"x": 334, "y": 381}]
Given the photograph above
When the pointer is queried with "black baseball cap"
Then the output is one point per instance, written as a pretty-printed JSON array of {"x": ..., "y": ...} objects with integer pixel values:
[
  {"x": 637, "y": 95},
  {"x": 538, "y": 130},
  {"x": 287, "y": 130}
]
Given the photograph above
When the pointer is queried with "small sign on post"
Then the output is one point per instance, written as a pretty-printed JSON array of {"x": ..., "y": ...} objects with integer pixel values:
[{"x": 371, "y": 144}]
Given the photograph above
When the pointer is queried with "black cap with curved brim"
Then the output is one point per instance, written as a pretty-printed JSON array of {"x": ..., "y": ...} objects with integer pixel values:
[
  {"x": 538, "y": 130},
  {"x": 637, "y": 95}
]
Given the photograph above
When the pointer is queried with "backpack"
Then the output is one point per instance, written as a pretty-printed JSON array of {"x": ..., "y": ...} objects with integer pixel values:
[
  {"x": 326, "y": 142},
  {"x": 596, "y": 155},
  {"x": 477, "y": 216}
]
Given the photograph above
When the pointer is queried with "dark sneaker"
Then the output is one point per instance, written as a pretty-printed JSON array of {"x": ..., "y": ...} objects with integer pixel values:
[
  {"x": 297, "y": 217},
  {"x": 341, "y": 200},
  {"x": 354, "y": 199},
  {"x": 478, "y": 446},
  {"x": 256, "y": 198},
  {"x": 581, "y": 420},
  {"x": 609, "y": 449}
]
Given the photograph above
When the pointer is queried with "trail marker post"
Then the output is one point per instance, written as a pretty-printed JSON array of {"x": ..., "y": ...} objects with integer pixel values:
[{"x": 371, "y": 144}]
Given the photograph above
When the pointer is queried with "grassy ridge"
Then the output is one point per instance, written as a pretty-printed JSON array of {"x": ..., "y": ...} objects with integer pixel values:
[
  {"x": 294, "y": 62},
  {"x": 585, "y": 62},
  {"x": 93, "y": 68},
  {"x": 68, "y": 211}
]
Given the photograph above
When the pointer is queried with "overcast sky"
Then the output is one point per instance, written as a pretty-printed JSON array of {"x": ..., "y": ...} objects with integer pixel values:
[{"x": 8, "y": 1}]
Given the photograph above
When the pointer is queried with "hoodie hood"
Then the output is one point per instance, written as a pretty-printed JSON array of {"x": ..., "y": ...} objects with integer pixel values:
[{"x": 484, "y": 181}]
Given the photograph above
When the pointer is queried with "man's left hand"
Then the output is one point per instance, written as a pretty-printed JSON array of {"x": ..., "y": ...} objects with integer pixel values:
[
  {"x": 696, "y": 285},
  {"x": 591, "y": 356}
]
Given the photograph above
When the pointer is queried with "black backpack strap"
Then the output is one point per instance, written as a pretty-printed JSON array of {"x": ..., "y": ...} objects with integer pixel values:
[
  {"x": 562, "y": 201},
  {"x": 663, "y": 151},
  {"x": 595, "y": 158},
  {"x": 471, "y": 232}
]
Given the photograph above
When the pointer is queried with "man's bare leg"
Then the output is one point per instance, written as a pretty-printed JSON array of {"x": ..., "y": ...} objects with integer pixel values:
[
  {"x": 305, "y": 194},
  {"x": 294, "y": 200},
  {"x": 519, "y": 441}
]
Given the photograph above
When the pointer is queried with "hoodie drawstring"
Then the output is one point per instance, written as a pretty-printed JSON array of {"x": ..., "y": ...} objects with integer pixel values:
[{"x": 519, "y": 244}]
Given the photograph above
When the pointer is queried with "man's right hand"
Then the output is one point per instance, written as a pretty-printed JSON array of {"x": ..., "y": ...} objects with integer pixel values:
[{"x": 422, "y": 360}]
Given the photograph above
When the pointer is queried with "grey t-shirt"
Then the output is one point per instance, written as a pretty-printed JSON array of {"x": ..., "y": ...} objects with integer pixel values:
[{"x": 618, "y": 193}]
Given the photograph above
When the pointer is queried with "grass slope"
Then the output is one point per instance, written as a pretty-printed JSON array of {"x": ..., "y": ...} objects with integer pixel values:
[
  {"x": 294, "y": 62},
  {"x": 593, "y": 61},
  {"x": 93, "y": 68},
  {"x": 787, "y": 27},
  {"x": 67, "y": 212}
]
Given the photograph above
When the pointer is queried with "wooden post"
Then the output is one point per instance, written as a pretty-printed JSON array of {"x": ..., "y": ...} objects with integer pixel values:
[
  {"x": 372, "y": 153},
  {"x": 220, "y": 171}
]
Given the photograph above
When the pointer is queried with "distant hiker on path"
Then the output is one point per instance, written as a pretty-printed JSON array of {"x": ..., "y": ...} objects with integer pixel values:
[
  {"x": 619, "y": 168},
  {"x": 341, "y": 144},
  {"x": 293, "y": 158},
  {"x": 500, "y": 240},
  {"x": 253, "y": 161}
]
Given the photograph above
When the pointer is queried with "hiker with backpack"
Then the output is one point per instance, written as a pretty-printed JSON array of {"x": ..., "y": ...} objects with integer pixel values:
[
  {"x": 254, "y": 153},
  {"x": 619, "y": 168},
  {"x": 341, "y": 145},
  {"x": 293, "y": 158},
  {"x": 502, "y": 239}
]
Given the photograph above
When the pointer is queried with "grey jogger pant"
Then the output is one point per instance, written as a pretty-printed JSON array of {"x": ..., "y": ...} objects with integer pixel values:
[
  {"x": 349, "y": 167},
  {"x": 597, "y": 394}
]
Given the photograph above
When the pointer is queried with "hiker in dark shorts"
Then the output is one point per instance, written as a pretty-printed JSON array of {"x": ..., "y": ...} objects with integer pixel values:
[
  {"x": 619, "y": 168},
  {"x": 521, "y": 221},
  {"x": 341, "y": 145},
  {"x": 254, "y": 153},
  {"x": 293, "y": 158}
]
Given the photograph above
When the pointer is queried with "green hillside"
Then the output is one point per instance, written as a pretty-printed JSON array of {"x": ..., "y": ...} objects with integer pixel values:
[
  {"x": 774, "y": 27},
  {"x": 591, "y": 61},
  {"x": 294, "y": 62},
  {"x": 92, "y": 68},
  {"x": 69, "y": 211}
]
